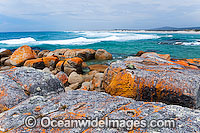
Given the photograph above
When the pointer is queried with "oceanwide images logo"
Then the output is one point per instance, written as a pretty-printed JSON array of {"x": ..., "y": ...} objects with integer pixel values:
[{"x": 46, "y": 122}]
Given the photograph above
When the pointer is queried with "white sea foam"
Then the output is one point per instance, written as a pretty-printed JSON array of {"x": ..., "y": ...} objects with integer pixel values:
[
  {"x": 18, "y": 41},
  {"x": 188, "y": 43},
  {"x": 2, "y": 49},
  {"x": 191, "y": 43},
  {"x": 100, "y": 34},
  {"x": 87, "y": 38},
  {"x": 84, "y": 41}
]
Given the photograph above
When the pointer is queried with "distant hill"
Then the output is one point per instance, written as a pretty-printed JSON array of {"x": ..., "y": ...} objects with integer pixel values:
[{"x": 167, "y": 28}]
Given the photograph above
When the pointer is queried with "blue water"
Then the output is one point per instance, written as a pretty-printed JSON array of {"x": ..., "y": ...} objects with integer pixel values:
[{"x": 120, "y": 44}]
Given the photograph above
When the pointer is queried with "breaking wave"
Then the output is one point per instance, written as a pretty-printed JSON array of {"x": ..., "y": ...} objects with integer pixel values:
[
  {"x": 83, "y": 40},
  {"x": 18, "y": 41}
]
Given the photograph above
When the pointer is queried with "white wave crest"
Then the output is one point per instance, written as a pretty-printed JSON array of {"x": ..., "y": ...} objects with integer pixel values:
[
  {"x": 84, "y": 41},
  {"x": 100, "y": 34},
  {"x": 95, "y": 37},
  {"x": 188, "y": 43},
  {"x": 2, "y": 49},
  {"x": 191, "y": 43},
  {"x": 18, "y": 41}
]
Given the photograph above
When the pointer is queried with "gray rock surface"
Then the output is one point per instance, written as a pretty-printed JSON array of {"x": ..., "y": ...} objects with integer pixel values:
[
  {"x": 20, "y": 83},
  {"x": 78, "y": 104}
]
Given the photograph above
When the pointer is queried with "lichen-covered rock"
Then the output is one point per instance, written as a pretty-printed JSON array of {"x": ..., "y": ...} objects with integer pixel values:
[
  {"x": 82, "y": 105},
  {"x": 59, "y": 66},
  {"x": 98, "y": 67},
  {"x": 18, "y": 84},
  {"x": 37, "y": 52},
  {"x": 62, "y": 77},
  {"x": 35, "y": 63},
  {"x": 58, "y": 52},
  {"x": 97, "y": 82},
  {"x": 73, "y": 65},
  {"x": 153, "y": 54},
  {"x": 102, "y": 54},
  {"x": 21, "y": 55},
  {"x": 50, "y": 61},
  {"x": 151, "y": 78},
  {"x": 86, "y": 86},
  {"x": 11, "y": 93},
  {"x": 43, "y": 53},
  {"x": 84, "y": 54}
]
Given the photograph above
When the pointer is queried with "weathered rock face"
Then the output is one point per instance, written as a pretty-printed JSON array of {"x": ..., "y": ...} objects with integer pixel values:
[
  {"x": 73, "y": 65},
  {"x": 43, "y": 53},
  {"x": 75, "y": 78},
  {"x": 84, "y": 54},
  {"x": 2, "y": 60},
  {"x": 50, "y": 61},
  {"x": 21, "y": 55},
  {"x": 151, "y": 78},
  {"x": 152, "y": 54},
  {"x": 20, "y": 83},
  {"x": 5, "y": 53},
  {"x": 102, "y": 54},
  {"x": 35, "y": 63},
  {"x": 41, "y": 63},
  {"x": 11, "y": 92},
  {"x": 62, "y": 77},
  {"x": 78, "y": 104},
  {"x": 98, "y": 67},
  {"x": 97, "y": 82}
]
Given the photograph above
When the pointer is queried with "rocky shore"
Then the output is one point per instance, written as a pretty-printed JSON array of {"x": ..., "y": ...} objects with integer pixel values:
[{"x": 54, "y": 84}]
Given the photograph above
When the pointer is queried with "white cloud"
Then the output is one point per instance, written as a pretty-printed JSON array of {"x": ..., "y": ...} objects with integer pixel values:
[{"x": 116, "y": 12}]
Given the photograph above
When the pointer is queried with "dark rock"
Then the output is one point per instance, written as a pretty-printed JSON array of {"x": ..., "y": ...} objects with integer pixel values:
[
  {"x": 140, "y": 53},
  {"x": 5, "y": 53}
]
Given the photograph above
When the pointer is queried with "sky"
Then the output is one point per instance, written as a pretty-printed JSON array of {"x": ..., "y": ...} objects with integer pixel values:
[{"x": 67, "y": 15}]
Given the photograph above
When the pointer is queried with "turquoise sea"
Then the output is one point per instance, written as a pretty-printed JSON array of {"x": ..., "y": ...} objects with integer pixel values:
[{"x": 120, "y": 44}]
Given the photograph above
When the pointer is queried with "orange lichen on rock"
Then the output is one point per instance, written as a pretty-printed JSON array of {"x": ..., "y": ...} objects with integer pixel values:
[
  {"x": 122, "y": 84},
  {"x": 30, "y": 63},
  {"x": 76, "y": 60},
  {"x": 21, "y": 55},
  {"x": 50, "y": 61},
  {"x": 62, "y": 77},
  {"x": 181, "y": 62},
  {"x": 35, "y": 63},
  {"x": 37, "y": 109},
  {"x": 165, "y": 56},
  {"x": 59, "y": 65},
  {"x": 3, "y": 108}
]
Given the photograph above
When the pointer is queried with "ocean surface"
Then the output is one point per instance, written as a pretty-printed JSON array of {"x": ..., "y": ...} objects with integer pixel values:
[{"x": 120, "y": 44}]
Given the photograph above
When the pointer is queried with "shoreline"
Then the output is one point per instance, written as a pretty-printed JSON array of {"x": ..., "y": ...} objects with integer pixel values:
[{"x": 149, "y": 31}]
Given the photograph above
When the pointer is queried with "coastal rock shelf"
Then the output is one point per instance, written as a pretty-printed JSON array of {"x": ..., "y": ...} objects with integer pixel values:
[
  {"x": 17, "y": 84},
  {"x": 54, "y": 84},
  {"x": 151, "y": 77},
  {"x": 79, "y": 104}
]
